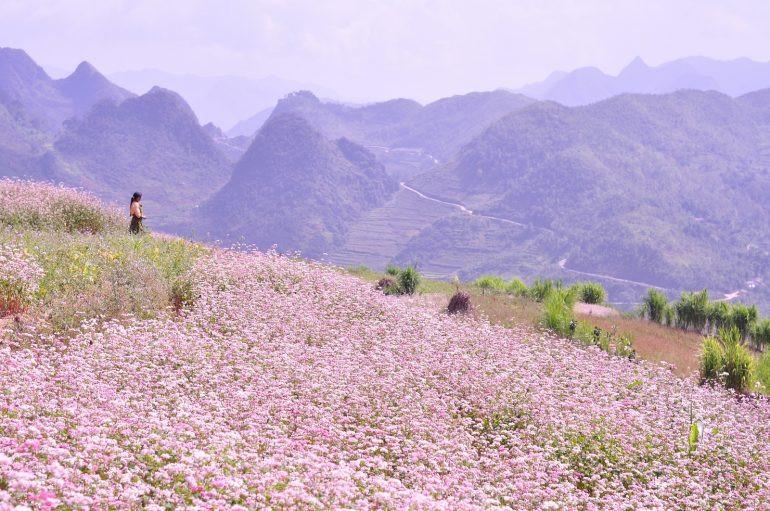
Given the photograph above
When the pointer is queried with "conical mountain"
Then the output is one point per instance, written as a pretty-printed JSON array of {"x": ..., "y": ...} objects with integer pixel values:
[
  {"x": 87, "y": 86},
  {"x": 150, "y": 143},
  {"x": 297, "y": 189},
  {"x": 47, "y": 102}
]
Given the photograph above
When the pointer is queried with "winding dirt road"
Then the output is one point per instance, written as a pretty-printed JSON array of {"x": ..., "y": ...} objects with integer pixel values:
[{"x": 562, "y": 263}]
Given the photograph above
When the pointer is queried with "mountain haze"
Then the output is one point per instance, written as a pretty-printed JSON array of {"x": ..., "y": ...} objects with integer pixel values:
[
  {"x": 589, "y": 84},
  {"x": 223, "y": 100},
  {"x": 439, "y": 128},
  {"x": 50, "y": 102}
]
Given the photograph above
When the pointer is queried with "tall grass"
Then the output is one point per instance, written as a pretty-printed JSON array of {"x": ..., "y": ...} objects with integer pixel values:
[
  {"x": 408, "y": 280},
  {"x": 542, "y": 289},
  {"x": 557, "y": 311},
  {"x": 726, "y": 359},
  {"x": 516, "y": 287},
  {"x": 654, "y": 306},
  {"x": 490, "y": 284},
  {"x": 591, "y": 292},
  {"x": 762, "y": 372}
]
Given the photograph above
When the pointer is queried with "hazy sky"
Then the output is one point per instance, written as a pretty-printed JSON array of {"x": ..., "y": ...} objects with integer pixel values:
[{"x": 377, "y": 49}]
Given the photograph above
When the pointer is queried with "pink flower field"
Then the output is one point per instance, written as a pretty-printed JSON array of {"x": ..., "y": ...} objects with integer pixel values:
[{"x": 289, "y": 385}]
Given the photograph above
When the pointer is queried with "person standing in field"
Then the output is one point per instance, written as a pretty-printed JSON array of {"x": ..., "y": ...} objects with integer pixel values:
[{"x": 135, "y": 211}]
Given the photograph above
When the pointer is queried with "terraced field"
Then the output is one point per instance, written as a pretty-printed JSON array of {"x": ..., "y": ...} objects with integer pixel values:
[{"x": 383, "y": 232}]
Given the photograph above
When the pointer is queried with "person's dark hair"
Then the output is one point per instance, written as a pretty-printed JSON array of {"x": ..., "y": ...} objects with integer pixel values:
[{"x": 136, "y": 197}]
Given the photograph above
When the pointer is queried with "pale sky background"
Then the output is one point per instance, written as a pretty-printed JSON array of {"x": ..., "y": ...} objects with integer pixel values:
[{"x": 423, "y": 49}]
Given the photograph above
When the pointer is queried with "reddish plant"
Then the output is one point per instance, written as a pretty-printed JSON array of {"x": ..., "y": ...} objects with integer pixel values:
[{"x": 460, "y": 303}]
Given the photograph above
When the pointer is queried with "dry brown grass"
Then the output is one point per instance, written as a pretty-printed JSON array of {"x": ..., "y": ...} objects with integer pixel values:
[
  {"x": 506, "y": 310},
  {"x": 656, "y": 343}
]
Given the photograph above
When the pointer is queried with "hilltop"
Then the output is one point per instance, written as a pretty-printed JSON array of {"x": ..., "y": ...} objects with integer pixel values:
[
  {"x": 283, "y": 383},
  {"x": 50, "y": 102},
  {"x": 295, "y": 188},
  {"x": 439, "y": 128}
]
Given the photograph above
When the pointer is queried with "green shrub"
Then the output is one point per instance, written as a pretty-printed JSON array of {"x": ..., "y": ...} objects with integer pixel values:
[
  {"x": 516, "y": 287},
  {"x": 743, "y": 318},
  {"x": 408, "y": 280},
  {"x": 490, "y": 284},
  {"x": 624, "y": 346},
  {"x": 542, "y": 288},
  {"x": 584, "y": 333},
  {"x": 726, "y": 359},
  {"x": 654, "y": 306},
  {"x": 81, "y": 218},
  {"x": 557, "y": 311},
  {"x": 392, "y": 270},
  {"x": 591, "y": 292},
  {"x": 712, "y": 361},
  {"x": 760, "y": 334}
]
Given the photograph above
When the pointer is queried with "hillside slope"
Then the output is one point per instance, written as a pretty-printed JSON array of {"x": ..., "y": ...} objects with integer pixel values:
[
  {"x": 295, "y": 188},
  {"x": 665, "y": 189},
  {"x": 287, "y": 384}
]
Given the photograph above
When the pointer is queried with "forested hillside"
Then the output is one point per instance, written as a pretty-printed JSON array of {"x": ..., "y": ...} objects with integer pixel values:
[{"x": 669, "y": 189}]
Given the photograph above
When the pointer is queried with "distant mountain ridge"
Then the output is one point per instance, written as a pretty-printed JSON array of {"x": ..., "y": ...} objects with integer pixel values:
[
  {"x": 223, "y": 100},
  {"x": 50, "y": 102},
  {"x": 439, "y": 128},
  {"x": 589, "y": 84}
]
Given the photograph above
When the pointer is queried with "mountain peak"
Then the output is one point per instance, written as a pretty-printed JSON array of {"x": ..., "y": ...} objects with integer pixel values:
[
  {"x": 17, "y": 65},
  {"x": 85, "y": 69},
  {"x": 636, "y": 66},
  {"x": 159, "y": 103}
]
